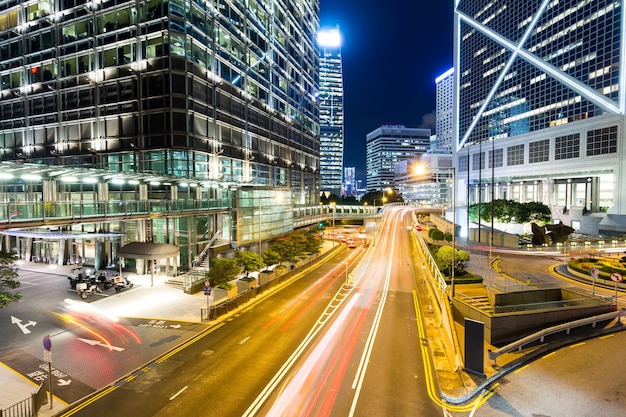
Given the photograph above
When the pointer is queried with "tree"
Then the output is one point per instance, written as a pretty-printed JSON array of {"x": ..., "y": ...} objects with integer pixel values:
[
  {"x": 312, "y": 241},
  {"x": 436, "y": 234},
  {"x": 444, "y": 258},
  {"x": 249, "y": 261},
  {"x": 271, "y": 257},
  {"x": 509, "y": 211},
  {"x": 222, "y": 271},
  {"x": 8, "y": 281}
]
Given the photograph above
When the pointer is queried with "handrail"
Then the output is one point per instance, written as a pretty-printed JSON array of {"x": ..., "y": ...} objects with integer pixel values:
[
  {"x": 540, "y": 335},
  {"x": 202, "y": 254}
]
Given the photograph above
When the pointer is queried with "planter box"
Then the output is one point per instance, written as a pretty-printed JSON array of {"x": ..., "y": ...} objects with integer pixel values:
[
  {"x": 266, "y": 276},
  {"x": 244, "y": 284}
]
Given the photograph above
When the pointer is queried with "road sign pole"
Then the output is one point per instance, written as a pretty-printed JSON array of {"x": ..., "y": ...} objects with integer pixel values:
[
  {"x": 47, "y": 354},
  {"x": 50, "y": 382}
]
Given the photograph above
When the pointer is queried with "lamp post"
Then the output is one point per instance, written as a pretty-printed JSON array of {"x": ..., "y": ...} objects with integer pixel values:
[
  {"x": 260, "y": 231},
  {"x": 334, "y": 212}
]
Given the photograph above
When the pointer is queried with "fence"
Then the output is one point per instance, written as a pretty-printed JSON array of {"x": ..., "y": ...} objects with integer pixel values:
[
  {"x": 28, "y": 407},
  {"x": 216, "y": 310}
]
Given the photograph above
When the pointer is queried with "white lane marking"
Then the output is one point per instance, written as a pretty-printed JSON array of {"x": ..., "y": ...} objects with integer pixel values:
[{"x": 179, "y": 392}]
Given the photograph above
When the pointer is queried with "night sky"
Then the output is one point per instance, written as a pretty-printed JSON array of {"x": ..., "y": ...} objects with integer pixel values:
[{"x": 392, "y": 52}]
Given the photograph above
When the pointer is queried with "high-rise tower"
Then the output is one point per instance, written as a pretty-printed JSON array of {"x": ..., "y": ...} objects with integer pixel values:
[
  {"x": 209, "y": 104},
  {"x": 540, "y": 104},
  {"x": 331, "y": 111}
]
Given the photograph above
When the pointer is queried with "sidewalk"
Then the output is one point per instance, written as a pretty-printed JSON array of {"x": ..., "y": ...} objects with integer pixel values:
[{"x": 455, "y": 384}]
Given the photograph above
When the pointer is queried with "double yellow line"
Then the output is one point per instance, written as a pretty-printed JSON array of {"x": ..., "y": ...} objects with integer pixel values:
[{"x": 430, "y": 383}]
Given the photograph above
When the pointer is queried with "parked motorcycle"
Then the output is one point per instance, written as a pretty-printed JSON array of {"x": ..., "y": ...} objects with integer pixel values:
[
  {"x": 122, "y": 283},
  {"x": 86, "y": 288},
  {"x": 103, "y": 280}
]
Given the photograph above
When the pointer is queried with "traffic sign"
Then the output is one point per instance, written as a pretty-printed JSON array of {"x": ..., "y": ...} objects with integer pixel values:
[
  {"x": 594, "y": 272},
  {"x": 47, "y": 343},
  {"x": 617, "y": 277},
  {"x": 207, "y": 290}
]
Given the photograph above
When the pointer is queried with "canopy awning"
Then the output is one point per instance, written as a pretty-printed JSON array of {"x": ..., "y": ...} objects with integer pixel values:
[{"x": 147, "y": 250}]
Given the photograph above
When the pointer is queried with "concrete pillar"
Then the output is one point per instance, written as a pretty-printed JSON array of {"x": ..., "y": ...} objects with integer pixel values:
[
  {"x": 103, "y": 192},
  {"x": 29, "y": 248},
  {"x": 62, "y": 252},
  {"x": 49, "y": 190}
]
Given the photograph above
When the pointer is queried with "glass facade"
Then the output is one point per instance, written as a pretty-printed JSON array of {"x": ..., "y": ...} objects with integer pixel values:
[
  {"x": 388, "y": 145},
  {"x": 539, "y": 85},
  {"x": 331, "y": 119},
  {"x": 178, "y": 101},
  {"x": 537, "y": 64},
  {"x": 200, "y": 89}
]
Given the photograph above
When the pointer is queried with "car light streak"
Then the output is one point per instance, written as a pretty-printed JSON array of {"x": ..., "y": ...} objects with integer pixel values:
[
  {"x": 284, "y": 402},
  {"x": 312, "y": 289},
  {"x": 357, "y": 385},
  {"x": 339, "y": 270}
]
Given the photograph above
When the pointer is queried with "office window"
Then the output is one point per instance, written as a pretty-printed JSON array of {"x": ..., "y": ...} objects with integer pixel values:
[
  {"x": 478, "y": 161},
  {"x": 496, "y": 158},
  {"x": 539, "y": 151},
  {"x": 602, "y": 141},
  {"x": 515, "y": 155},
  {"x": 567, "y": 147},
  {"x": 463, "y": 163}
]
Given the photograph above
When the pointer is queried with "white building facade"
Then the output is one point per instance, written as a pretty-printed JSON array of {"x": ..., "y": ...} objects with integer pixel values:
[
  {"x": 444, "y": 110},
  {"x": 540, "y": 108}
]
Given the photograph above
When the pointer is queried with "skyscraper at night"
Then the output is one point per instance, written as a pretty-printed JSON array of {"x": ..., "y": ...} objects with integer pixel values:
[
  {"x": 388, "y": 145},
  {"x": 540, "y": 105},
  {"x": 213, "y": 101},
  {"x": 444, "y": 110},
  {"x": 331, "y": 111}
]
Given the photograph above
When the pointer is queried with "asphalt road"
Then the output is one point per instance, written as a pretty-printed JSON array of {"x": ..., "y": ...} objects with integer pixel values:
[{"x": 223, "y": 370}]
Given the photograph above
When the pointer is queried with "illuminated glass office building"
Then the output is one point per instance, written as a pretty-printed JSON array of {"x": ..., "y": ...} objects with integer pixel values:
[
  {"x": 539, "y": 107},
  {"x": 388, "y": 145},
  {"x": 172, "y": 99},
  {"x": 331, "y": 112}
]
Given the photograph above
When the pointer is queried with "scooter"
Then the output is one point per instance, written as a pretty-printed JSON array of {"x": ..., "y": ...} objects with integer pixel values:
[
  {"x": 122, "y": 283},
  {"x": 103, "y": 280},
  {"x": 86, "y": 288}
]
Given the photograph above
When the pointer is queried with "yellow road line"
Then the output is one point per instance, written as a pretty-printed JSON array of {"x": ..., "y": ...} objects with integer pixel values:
[
  {"x": 89, "y": 401},
  {"x": 430, "y": 383}
]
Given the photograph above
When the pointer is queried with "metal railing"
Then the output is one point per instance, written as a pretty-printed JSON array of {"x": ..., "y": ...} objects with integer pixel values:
[
  {"x": 22, "y": 409},
  {"x": 14, "y": 213},
  {"x": 541, "y": 335},
  {"x": 200, "y": 258}
]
